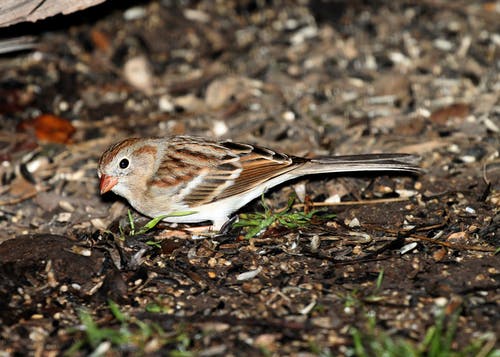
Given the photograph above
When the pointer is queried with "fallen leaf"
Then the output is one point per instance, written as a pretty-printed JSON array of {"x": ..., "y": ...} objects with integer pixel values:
[
  {"x": 50, "y": 128},
  {"x": 100, "y": 40},
  {"x": 457, "y": 110}
]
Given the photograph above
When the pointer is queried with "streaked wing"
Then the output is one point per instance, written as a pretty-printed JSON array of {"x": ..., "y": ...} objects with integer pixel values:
[
  {"x": 259, "y": 166},
  {"x": 197, "y": 170},
  {"x": 243, "y": 168}
]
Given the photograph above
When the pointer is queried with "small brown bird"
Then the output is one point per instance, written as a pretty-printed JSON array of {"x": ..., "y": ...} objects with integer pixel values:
[{"x": 194, "y": 180}]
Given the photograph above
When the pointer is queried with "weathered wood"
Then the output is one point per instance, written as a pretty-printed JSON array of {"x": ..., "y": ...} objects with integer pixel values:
[{"x": 15, "y": 11}]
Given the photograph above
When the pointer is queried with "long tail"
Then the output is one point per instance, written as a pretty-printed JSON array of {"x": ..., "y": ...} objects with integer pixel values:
[{"x": 359, "y": 163}]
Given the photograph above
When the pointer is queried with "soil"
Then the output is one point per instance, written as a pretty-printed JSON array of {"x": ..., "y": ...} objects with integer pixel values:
[{"x": 305, "y": 77}]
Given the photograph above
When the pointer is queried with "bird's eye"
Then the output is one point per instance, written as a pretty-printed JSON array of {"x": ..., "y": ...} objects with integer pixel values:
[{"x": 123, "y": 164}]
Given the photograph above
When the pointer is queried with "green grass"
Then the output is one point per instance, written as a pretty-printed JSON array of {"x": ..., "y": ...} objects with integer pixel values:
[
  {"x": 257, "y": 223},
  {"x": 150, "y": 224},
  {"x": 130, "y": 334},
  {"x": 146, "y": 228},
  {"x": 438, "y": 342},
  {"x": 133, "y": 230}
]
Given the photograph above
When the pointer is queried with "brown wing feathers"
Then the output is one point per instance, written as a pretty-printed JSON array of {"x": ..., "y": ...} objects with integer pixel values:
[
  {"x": 256, "y": 170},
  {"x": 244, "y": 168},
  {"x": 259, "y": 164}
]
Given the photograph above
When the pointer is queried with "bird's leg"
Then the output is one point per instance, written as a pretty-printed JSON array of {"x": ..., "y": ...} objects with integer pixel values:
[{"x": 219, "y": 227}]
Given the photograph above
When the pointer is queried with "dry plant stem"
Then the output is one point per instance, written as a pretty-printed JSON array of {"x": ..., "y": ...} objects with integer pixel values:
[{"x": 351, "y": 203}]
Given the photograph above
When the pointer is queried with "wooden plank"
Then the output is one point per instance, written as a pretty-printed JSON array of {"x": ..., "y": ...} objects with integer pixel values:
[{"x": 15, "y": 11}]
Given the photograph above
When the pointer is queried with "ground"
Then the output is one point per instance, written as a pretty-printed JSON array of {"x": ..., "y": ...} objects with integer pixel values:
[{"x": 386, "y": 258}]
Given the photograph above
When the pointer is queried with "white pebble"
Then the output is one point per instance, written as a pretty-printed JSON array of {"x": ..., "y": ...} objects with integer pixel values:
[
  {"x": 254, "y": 107},
  {"x": 196, "y": 15},
  {"x": 470, "y": 210},
  {"x": 441, "y": 301},
  {"x": 65, "y": 205},
  {"x": 490, "y": 125},
  {"x": 423, "y": 112},
  {"x": 454, "y": 148},
  {"x": 443, "y": 44},
  {"x": 138, "y": 73},
  {"x": 467, "y": 159},
  {"x": 63, "y": 217},
  {"x": 406, "y": 193},
  {"x": 63, "y": 106},
  {"x": 399, "y": 58},
  {"x": 220, "y": 128},
  {"x": 134, "y": 13},
  {"x": 165, "y": 104},
  {"x": 315, "y": 241},
  {"x": 408, "y": 248},
  {"x": 289, "y": 116},
  {"x": 333, "y": 199},
  {"x": 291, "y": 24},
  {"x": 249, "y": 274},
  {"x": 303, "y": 34},
  {"x": 98, "y": 223},
  {"x": 354, "y": 223}
]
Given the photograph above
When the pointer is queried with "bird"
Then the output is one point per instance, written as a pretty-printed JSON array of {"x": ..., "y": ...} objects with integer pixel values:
[{"x": 188, "y": 179}]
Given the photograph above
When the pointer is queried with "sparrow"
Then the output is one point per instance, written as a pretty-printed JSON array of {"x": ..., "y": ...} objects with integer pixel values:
[{"x": 189, "y": 180}]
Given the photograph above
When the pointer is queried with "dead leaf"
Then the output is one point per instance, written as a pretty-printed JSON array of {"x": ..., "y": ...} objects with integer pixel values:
[
  {"x": 100, "y": 40},
  {"x": 50, "y": 128},
  {"x": 457, "y": 110}
]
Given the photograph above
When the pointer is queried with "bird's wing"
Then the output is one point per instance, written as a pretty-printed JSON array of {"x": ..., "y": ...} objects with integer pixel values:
[{"x": 242, "y": 168}]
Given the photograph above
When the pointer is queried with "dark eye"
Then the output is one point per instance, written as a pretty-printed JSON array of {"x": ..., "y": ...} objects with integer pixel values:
[{"x": 123, "y": 164}]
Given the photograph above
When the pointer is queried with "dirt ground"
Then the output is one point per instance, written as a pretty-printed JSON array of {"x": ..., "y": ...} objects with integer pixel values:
[{"x": 305, "y": 77}]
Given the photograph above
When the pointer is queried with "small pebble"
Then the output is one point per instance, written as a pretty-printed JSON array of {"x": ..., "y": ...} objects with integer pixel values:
[
  {"x": 289, "y": 116},
  {"x": 304, "y": 34},
  {"x": 406, "y": 193},
  {"x": 65, "y": 205},
  {"x": 315, "y": 242},
  {"x": 165, "y": 104},
  {"x": 138, "y": 73},
  {"x": 467, "y": 159},
  {"x": 134, "y": 13},
  {"x": 219, "y": 128},
  {"x": 408, "y": 248},
  {"x": 443, "y": 44},
  {"x": 333, "y": 199},
  {"x": 354, "y": 223},
  {"x": 490, "y": 125},
  {"x": 249, "y": 274},
  {"x": 63, "y": 217},
  {"x": 196, "y": 15},
  {"x": 470, "y": 210},
  {"x": 441, "y": 301}
]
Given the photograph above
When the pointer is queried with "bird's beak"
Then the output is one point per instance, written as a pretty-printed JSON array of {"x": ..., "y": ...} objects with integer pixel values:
[{"x": 107, "y": 183}]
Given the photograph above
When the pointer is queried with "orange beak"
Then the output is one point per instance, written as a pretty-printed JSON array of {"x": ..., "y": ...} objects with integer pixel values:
[{"x": 107, "y": 183}]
